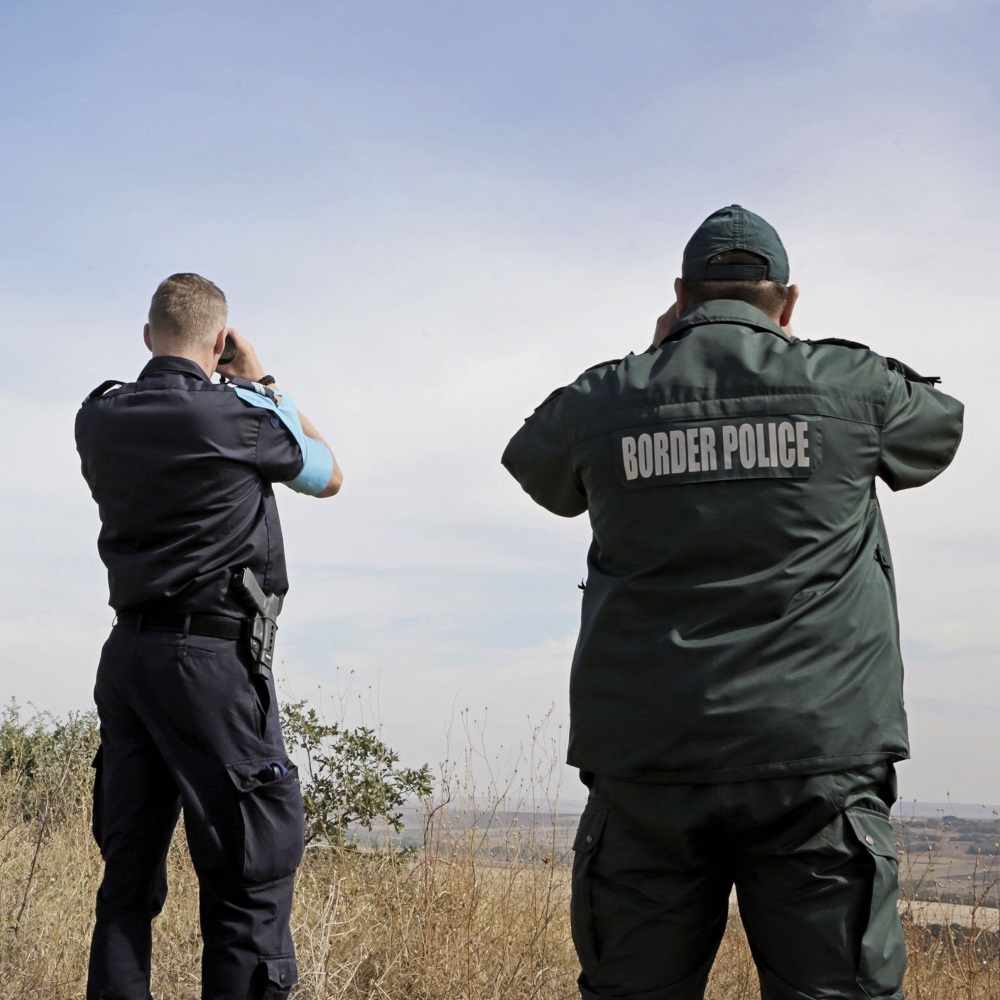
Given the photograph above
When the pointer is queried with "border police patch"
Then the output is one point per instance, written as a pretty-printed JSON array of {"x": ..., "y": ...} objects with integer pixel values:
[{"x": 699, "y": 451}]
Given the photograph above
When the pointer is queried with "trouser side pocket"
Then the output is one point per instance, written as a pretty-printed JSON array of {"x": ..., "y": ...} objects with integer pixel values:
[
  {"x": 882, "y": 954},
  {"x": 588, "y": 839},
  {"x": 271, "y": 837}
]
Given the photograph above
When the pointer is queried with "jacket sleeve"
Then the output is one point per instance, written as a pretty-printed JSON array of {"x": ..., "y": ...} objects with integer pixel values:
[
  {"x": 920, "y": 435},
  {"x": 538, "y": 457}
]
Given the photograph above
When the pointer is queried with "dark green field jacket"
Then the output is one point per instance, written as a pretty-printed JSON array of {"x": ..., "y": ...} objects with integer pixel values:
[{"x": 739, "y": 617}]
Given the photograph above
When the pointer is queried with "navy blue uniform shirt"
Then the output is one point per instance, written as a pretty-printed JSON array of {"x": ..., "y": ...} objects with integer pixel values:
[{"x": 182, "y": 469}]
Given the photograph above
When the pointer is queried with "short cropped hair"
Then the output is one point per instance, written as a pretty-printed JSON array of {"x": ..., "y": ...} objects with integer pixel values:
[
  {"x": 188, "y": 308},
  {"x": 768, "y": 296}
]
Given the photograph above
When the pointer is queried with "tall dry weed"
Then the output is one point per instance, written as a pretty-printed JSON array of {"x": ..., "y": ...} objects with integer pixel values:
[
  {"x": 479, "y": 911},
  {"x": 953, "y": 939}
]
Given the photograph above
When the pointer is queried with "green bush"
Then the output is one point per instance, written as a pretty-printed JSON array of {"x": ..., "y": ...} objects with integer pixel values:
[
  {"x": 350, "y": 777},
  {"x": 46, "y": 761}
]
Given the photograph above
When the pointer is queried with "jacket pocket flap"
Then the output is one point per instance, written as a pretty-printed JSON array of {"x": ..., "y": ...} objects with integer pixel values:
[
  {"x": 588, "y": 835},
  {"x": 874, "y": 831}
]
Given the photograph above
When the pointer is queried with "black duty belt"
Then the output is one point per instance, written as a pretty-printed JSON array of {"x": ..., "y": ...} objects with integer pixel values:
[{"x": 217, "y": 626}]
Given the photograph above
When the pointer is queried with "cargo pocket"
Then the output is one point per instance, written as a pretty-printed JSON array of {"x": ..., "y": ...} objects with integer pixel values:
[
  {"x": 588, "y": 839},
  {"x": 97, "y": 813},
  {"x": 272, "y": 837},
  {"x": 882, "y": 954},
  {"x": 280, "y": 975}
]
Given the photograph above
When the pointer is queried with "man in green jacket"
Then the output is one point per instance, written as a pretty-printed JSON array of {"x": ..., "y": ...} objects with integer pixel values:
[{"x": 736, "y": 692}]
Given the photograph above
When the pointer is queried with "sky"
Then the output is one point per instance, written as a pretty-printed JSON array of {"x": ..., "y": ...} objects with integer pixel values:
[{"x": 428, "y": 216}]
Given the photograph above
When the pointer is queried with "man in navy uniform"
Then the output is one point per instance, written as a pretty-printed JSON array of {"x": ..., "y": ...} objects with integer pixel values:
[
  {"x": 182, "y": 469},
  {"x": 736, "y": 691}
]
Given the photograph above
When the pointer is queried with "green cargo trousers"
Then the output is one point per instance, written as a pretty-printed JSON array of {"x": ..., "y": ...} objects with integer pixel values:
[{"x": 813, "y": 860}]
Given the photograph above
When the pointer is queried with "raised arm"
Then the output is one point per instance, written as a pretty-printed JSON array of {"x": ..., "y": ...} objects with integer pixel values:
[
  {"x": 246, "y": 365},
  {"x": 920, "y": 435}
]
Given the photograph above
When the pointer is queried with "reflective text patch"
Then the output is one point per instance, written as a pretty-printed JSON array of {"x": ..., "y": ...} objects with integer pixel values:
[{"x": 762, "y": 447}]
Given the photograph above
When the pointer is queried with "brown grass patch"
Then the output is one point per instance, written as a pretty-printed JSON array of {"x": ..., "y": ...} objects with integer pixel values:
[{"x": 458, "y": 919}]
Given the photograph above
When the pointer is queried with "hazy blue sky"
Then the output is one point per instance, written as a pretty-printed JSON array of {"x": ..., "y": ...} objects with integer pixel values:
[{"x": 427, "y": 216}]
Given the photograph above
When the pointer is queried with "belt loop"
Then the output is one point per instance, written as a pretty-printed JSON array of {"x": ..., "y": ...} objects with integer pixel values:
[
  {"x": 187, "y": 625},
  {"x": 138, "y": 624}
]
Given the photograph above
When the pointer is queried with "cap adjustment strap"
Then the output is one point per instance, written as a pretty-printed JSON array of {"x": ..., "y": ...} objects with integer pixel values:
[{"x": 735, "y": 272}]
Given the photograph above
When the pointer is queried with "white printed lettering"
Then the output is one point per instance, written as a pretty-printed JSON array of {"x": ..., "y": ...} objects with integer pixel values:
[
  {"x": 748, "y": 449},
  {"x": 708, "y": 459},
  {"x": 645, "y": 456},
  {"x": 628, "y": 457},
  {"x": 730, "y": 444},
  {"x": 765, "y": 446},
  {"x": 802, "y": 443},
  {"x": 678, "y": 456},
  {"x": 786, "y": 436},
  {"x": 762, "y": 460},
  {"x": 694, "y": 464},
  {"x": 660, "y": 454}
]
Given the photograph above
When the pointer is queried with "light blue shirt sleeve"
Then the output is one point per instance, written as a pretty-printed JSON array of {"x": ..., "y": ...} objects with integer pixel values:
[{"x": 317, "y": 465}]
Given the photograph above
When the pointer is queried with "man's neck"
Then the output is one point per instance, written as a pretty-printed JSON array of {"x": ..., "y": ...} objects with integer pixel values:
[{"x": 204, "y": 360}]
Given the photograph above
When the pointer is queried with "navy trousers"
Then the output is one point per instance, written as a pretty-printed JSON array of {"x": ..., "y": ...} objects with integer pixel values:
[
  {"x": 813, "y": 860},
  {"x": 184, "y": 725}
]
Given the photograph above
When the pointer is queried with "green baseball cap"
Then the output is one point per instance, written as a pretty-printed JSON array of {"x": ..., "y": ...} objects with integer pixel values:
[{"x": 734, "y": 228}]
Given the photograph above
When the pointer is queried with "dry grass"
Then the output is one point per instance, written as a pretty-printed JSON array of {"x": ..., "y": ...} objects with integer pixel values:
[{"x": 451, "y": 921}]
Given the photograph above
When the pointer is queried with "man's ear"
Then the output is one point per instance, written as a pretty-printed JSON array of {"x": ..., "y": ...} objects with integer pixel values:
[
  {"x": 681, "y": 295},
  {"x": 146, "y": 338},
  {"x": 786, "y": 312},
  {"x": 220, "y": 342}
]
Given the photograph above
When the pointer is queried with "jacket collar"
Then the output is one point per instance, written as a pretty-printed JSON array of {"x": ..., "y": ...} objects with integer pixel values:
[
  {"x": 179, "y": 366},
  {"x": 731, "y": 312}
]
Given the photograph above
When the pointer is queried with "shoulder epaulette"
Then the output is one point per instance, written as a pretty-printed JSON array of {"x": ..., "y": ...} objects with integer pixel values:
[
  {"x": 603, "y": 364},
  {"x": 552, "y": 395},
  {"x": 838, "y": 342},
  {"x": 909, "y": 374},
  {"x": 558, "y": 392},
  {"x": 894, "y": 365},
  {"x": 102, "y": 389},
  {"x": 245, "y": 383}
]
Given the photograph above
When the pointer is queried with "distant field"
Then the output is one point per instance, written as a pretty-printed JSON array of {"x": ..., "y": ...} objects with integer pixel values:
[
  {"x": 949, "y": 865},
  {"x": 950, "y": 860},
  {"x": 925, "y": 913}
]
